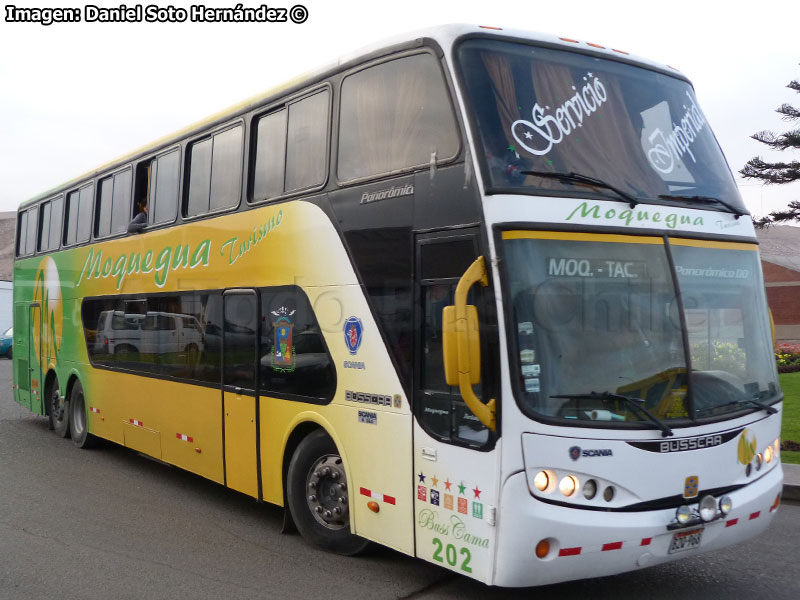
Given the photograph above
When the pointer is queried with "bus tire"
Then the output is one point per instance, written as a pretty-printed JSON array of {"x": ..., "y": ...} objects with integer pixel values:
[
  {"x": 57, "y": 410},
  {"x": 78, "y": 420},
  {"x": 317, "y": 494}
]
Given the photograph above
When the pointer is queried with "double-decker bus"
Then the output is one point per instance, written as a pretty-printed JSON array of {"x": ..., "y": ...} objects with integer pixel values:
[{"x": 485, "y": 297}]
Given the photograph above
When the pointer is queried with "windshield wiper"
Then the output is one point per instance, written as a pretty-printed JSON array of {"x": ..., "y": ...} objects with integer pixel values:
[
  {"x": 578, "y": 179},
  {"x": 736, "y": 213},
  {"x": 634, "y": 403},
  {"x": 760, "y": 405}
]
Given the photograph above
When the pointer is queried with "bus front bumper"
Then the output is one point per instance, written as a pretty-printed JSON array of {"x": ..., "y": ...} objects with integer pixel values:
[{"x": 587, "y": 543}]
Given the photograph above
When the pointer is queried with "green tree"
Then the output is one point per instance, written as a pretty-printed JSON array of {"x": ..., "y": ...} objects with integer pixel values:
[{"x": 778, "y": 172}]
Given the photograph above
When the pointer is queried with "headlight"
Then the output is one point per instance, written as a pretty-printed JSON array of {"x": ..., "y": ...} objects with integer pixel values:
[
  {"x": 542, "y": 481},
  {"x": 725, "y": 505},
  {"x": 683, "y": 514},
  {"x": 768, "y": 454},
  {"x": 568, "y": 485},
  {"x": 708, "y": 508}
]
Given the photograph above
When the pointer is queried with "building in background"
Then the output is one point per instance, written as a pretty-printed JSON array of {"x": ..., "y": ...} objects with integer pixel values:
[{"x": 780, "y": 260}]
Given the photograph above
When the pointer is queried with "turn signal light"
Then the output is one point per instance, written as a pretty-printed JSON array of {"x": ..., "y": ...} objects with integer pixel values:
[
  {"x": 542, "y": 549},
  {"x": 373, "y": 506}
]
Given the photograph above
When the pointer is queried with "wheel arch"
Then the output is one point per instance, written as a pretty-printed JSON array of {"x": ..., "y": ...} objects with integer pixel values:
[{"x": 304, "y": 425}]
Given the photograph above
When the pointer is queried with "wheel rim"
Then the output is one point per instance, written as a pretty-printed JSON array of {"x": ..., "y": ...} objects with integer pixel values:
[
  {"x": 57, "y": 406},
  {"x": 326, "y": 492},
  {"x": 78, "y": 414}
]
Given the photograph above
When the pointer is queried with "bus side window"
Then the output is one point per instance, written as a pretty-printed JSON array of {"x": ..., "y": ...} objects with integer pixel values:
[
  {"x": 215, "y": 172},
  {"x": 395, "y": 116},
  {"x": 157, "y": 182}
]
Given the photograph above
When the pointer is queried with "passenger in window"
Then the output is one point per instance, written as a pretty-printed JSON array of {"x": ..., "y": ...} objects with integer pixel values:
[{"x": 140, "y": 220}]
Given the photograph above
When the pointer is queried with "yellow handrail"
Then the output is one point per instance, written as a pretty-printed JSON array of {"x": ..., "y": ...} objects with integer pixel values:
[{"x": 485, "y": 412}]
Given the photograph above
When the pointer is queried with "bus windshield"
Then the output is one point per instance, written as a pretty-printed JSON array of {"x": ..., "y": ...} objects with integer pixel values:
[
  {"x": 553, "y": 111},
  {"x": 597, "y": 316}
]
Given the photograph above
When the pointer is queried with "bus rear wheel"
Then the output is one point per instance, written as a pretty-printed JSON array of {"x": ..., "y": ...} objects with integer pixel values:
[
  {"x": 317, "y": 495},
  {"x": 78, "y": 418},
  {"x": 57, "y": 410}
]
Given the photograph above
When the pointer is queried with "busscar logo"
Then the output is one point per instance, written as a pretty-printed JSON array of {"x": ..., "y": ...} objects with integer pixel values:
[{"x": 576, "y": 452}]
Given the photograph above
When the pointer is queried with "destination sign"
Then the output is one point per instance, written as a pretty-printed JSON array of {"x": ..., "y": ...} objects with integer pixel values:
[{"x": 596, "y": 267}]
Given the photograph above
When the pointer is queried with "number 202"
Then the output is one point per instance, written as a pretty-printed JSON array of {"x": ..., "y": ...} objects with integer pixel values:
[{"x": 451, "y": 555}]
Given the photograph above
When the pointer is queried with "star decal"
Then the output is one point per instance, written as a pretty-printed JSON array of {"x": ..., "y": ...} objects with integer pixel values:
[
  {"x": 421, "y": 477},
  {"x": 447, "y": 484},
  {"x": 434, "y": 481},
  {"x": 477, "y": 492},
  {"x": 528, "y": 135},
  {"x": 462, "y": 489}
]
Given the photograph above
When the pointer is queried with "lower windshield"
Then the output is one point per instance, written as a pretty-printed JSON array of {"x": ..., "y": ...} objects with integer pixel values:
[{"x": 600, "y": 334}]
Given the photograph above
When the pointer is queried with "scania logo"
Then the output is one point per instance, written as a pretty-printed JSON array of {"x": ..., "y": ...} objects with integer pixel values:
[{"x": 575, "y": 452}]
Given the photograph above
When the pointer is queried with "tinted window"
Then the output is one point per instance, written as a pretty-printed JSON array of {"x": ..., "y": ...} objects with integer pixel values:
[
  {"x": 56, "y": 219},
  {"x": 148, "y": 335},
  {"x": 241, "y": 327},
  {"x": 226, "y": 168},
  {"x": 199, "y": 178},
  {"x": 294, "y": 359},
  {"x": 30, "y": 234},
  {"x": 394, "y": 116},
  {"x": 44, "y": 229},
  {"x": 306, "y": 149},
  {"x": 270, "y": 156},
  {"x": 104, "y": 200},
  {"x": 164, "y": 188},
  {"x": 121, "y": 208},
  {"x": 215, "y": 172},
  {"x": 22, "y": 233},
  {"x": 72, "y": 218},
  {"x": 85, "y": 213}
]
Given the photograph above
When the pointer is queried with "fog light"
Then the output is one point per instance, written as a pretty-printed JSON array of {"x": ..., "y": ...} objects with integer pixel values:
[
  {"x": 758, "y": 461},
  {"x": 768, "y": 454},
  {"x": 708, "y": 508},
  {"x": 568, "y": 485},
  {"x": 683, "y": 514},
  {"x": 725, "y": 505},
  {"x": 542, "y": 481},
  {"x": 542, "y": 549},
  {"x": 589, "y": 489},
  {"x": 608, "y": 493}
]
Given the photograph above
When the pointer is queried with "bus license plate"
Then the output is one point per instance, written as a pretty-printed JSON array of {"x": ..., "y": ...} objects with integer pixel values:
[{"x": 685, "y": 540}]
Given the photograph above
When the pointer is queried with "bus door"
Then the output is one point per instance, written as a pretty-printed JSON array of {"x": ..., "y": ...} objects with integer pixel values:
[
  {"x": 239, "y": 391},
  {"x": 456, "y": 470},
  {"x": 34, "y": 379}
]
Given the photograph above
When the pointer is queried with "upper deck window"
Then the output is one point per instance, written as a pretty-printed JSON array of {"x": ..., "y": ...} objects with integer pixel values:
[
  {"x": 79, "y": 215},
  {"x": 395, "y": 116},
  {"x": 113, "y": 204},
  {"x": 292, "y": 147},
  {"x": 215, "y": 172},
  {"x": 51, "y": 219},
  {"x": 555, "y": 111}
]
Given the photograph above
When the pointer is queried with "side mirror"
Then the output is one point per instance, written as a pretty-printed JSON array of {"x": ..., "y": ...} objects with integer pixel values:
[{"x": 461, "y": 346}]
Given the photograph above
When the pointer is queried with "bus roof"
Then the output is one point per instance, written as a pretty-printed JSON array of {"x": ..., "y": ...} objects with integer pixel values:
[{"x": 444, "y": 35}]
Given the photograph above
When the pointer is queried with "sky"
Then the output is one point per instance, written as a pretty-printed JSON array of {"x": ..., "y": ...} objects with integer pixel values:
[{"x": 75, "y": 95}]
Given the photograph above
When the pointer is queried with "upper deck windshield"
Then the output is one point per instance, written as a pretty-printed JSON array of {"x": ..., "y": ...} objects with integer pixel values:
[
  {"x": 602, "y": 314},
  {"x": 555, "y": 111}
]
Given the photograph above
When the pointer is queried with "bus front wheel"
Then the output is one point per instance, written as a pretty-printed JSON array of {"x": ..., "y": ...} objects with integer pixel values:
[
  {"x": 78, "y": 420},
  {"x": 318, "y": 496},
  {"x": 57, "y": 410}
]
